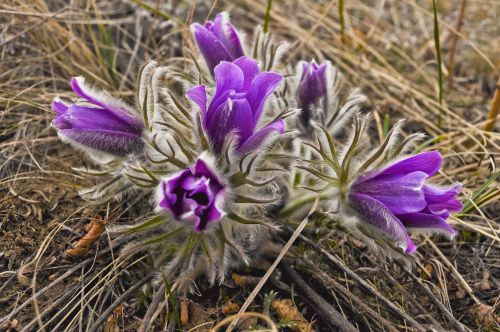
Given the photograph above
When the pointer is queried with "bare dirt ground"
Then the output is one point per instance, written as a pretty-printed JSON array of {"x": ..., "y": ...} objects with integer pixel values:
[{"x": 386, "y": 48}]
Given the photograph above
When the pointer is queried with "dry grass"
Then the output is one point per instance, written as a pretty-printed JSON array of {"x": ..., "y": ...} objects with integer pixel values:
[{"x": 387, "y": 51}]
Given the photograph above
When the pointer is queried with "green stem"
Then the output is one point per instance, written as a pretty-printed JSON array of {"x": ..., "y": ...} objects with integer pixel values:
[
  {"x": 267, "y": 16},
  {"x": 290, "y": 208},
  {"x": 341, "y": 21}
]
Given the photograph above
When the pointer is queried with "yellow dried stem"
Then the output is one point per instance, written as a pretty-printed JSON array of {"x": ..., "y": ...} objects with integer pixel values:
[
  {"x": 495, "y": 108},
  {"x": 184, "y": 312}
]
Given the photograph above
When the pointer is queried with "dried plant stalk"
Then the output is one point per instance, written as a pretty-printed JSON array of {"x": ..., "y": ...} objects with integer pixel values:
[{"x": 495, "y": 108}]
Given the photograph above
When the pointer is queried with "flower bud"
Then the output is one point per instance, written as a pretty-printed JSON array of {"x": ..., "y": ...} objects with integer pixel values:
[
  {"x": 101, "y": 124},
  {"x": 218, "y": 40}
]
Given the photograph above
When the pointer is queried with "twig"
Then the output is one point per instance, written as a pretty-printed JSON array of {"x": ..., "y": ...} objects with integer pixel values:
[
  {"x": 459, "y": 277},
  {"x": 278, "y": 259},
  {"x": 153, "y": 10},
  {"x": 327, "y": 311},
  {"x": 155, "y": 302},
  {"x": 360, "y": 304},
  {"x": 98, "y": 323},
  {"x": 439, "y": 61},
  {"x": 339, "y": 265},
  {"x": 453, "y": 48},
  {"x": 414, "y": 302},
  {"x": 459, "y": 326},
  {"x": 52, "y": 284},
  {"x": 495, "y": 108},
  {"x": 53, "y": 306}
]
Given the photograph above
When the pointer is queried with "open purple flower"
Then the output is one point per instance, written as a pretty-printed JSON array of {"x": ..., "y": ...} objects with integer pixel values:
[
  {"x": 397, "y": 198},
  {"x": 218, "y": 40},
  {"x": 312, "y": 86},
  {"x": 102, "y": 123},
  {"x": 240, "y": 96},
  {"x": 195, "y": 195}
]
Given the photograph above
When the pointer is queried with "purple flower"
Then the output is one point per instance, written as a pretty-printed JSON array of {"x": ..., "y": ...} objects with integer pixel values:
[
  {"x": 312, "y": 87},
  {"x": 240, "y": 96},
  {"x": 218, "y": 41},
  {"x": 194, "y": 195},
  {"x": 397, "y": 198},
  {"x": 102, "y": 123}
]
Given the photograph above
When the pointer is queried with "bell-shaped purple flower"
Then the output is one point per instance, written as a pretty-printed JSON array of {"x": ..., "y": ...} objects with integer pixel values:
[
  {"x": 218, "y": 40},
  {"x": 398, "y": 197},
  {"x": 194, "y": 195},
  {"x": 102, "y": 123},
  {"x": 240, "y": 96},
  {"x": 312, "y": 87}
]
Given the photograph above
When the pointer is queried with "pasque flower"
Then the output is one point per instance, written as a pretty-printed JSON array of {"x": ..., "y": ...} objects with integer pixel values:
[
  {"x": 398, "y": 197},
  {"x": 240, "y": 96},
  {"x": 312, "y": 86},
  {"x": 194, "y": 195},
  {"x": 218, "y": 40},
  {"x": 101, "y": 123}
]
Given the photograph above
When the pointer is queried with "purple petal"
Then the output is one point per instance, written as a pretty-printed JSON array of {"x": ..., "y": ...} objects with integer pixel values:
[
  {"x": 202, "y": 194},
  {"x": 400, "y": 195},
  {"x": 191, "y": 183},
  {"x": 241, "y": 119},
  {"x": 228, "y": 35},
  {"x": 115, "y": 143},
  {"x": 212, "y": 49},
  {"x": 193, "y": 195},
  {"x": 442, "y": 200},
  {"x": 382, "y": 219},
  {"x": 59, "y": 107},
  {"x": 216, "y": 104},
  {"x": 233, "y": 115},
  {"x": 261, "y": 87},
  {"x": 82, "y": 117},
  {"x": 106, "y": 102},
  {"x": 62, "y": 122},
  {"x": 201, "y": 168},
  {"x": 77, "y": 84},
  {"x": 198, "y": 95},
  {"x": 424, "y": 221},
  {"x": 250, "y": 70},
  {"x": 256, "y": 139},
  {"x": 427, "y": 162},
  {"x": 228, "y": 76}
]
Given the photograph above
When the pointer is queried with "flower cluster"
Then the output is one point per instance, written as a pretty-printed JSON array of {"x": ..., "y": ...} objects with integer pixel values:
[{"x": 218, "y": 156}]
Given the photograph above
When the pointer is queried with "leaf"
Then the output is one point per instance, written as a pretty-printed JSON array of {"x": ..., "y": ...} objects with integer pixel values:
[
  {"x": 147, "y": 225},
  {"x": 476, "y": 195}
]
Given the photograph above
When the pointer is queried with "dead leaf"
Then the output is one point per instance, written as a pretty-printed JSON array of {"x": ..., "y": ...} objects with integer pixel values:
[
  {"x": 485, "y": 283},
  {"x": 184, "y": 312},
  {"x": 10, "y": 326},
  {"x": 94, "y": 231},
  {"x": 230, "y": 308},
  {"x": 484, "y": 315},
  {"x": 199, "y": 317},
  {"x": 285, "y": 309},
  {"x": 111, "y": 324}
]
